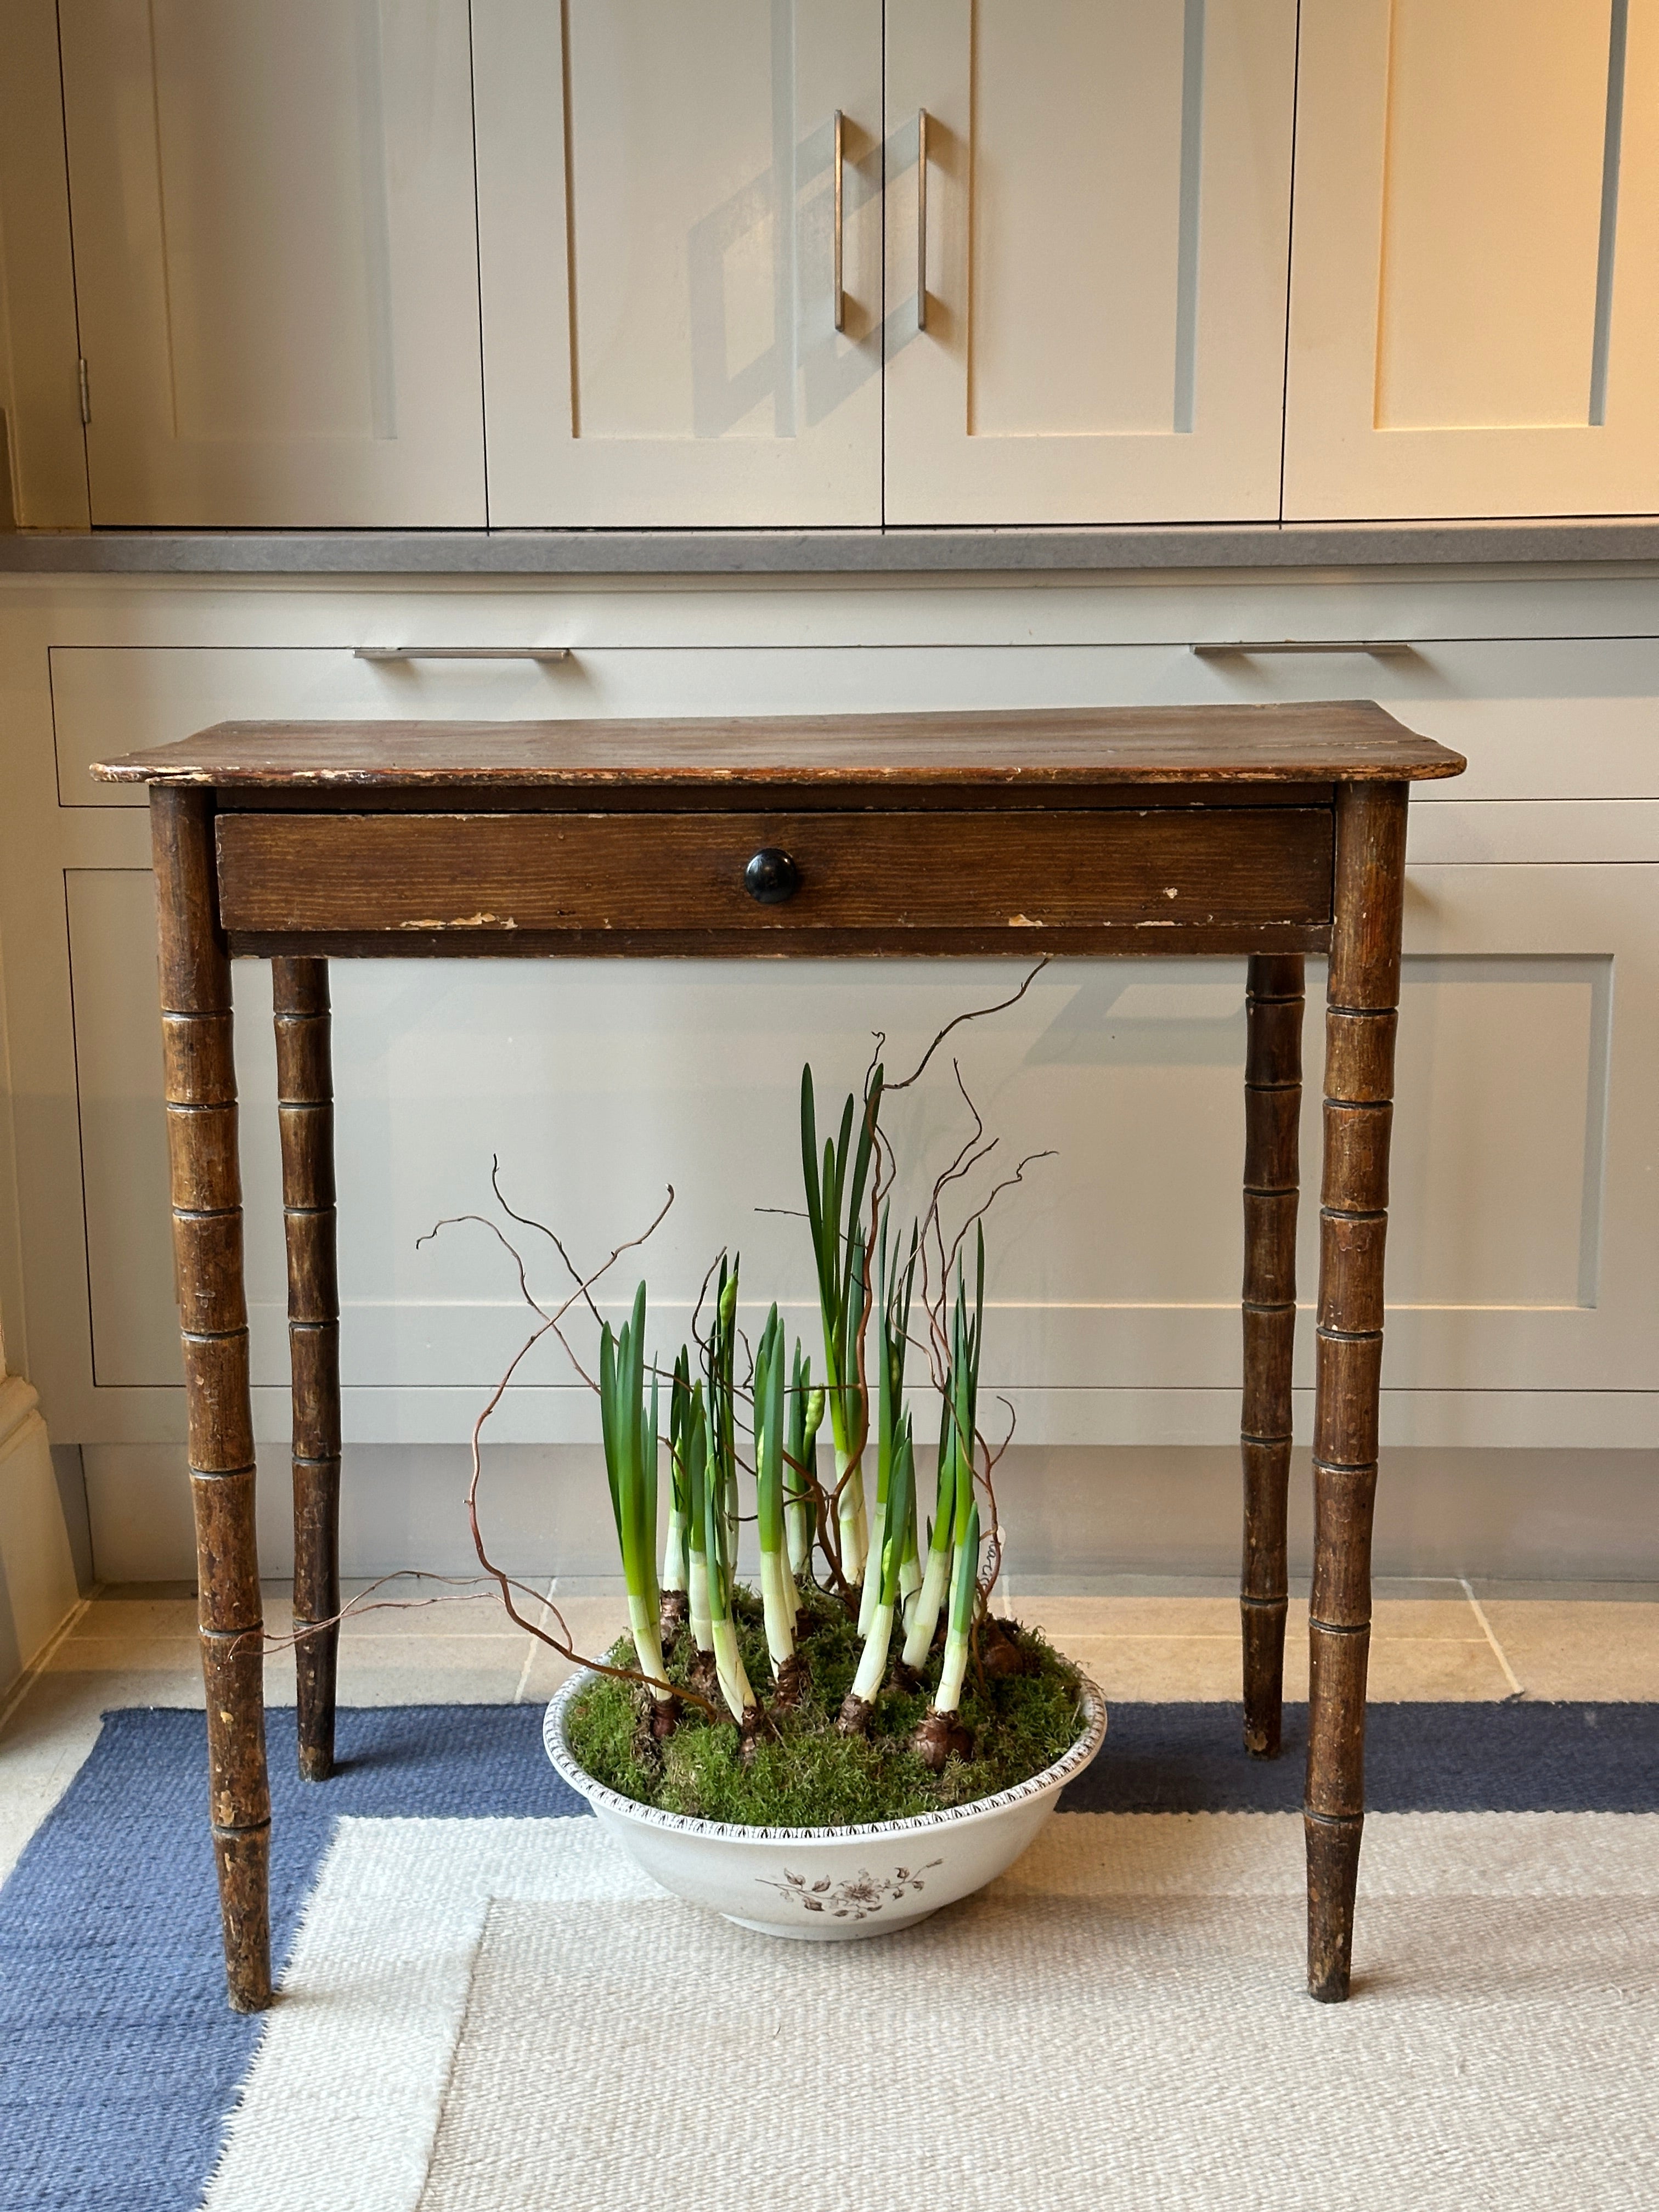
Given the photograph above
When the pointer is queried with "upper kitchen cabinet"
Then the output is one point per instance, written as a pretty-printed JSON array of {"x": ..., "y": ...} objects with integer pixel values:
[
  {"x": 679, "y": 217},
  {"x": 1474, "y": 295},
  {"x": 1099, "y": 234},
  {"x": 275, "y": 260}
]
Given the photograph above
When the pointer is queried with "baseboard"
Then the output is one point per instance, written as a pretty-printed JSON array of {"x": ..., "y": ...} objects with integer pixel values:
[
  {"x": 38, "y": 1585},
  {"x": 1077, "y": 1512}
]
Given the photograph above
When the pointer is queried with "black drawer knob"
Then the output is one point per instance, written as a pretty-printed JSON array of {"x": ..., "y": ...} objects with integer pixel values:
[{"x": 771, "y": 877}]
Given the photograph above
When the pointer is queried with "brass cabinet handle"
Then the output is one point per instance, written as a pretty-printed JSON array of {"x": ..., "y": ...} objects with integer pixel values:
[
  {"x": 922, "y": 219},
  {"x": 460, "y": 652},
  {"x": 840, "y": 151},
  {"x": 1213, "y": 651}
]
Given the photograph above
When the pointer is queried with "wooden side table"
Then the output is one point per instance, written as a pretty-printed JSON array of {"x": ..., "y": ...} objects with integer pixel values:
[{"x": 1266, "y": 831}]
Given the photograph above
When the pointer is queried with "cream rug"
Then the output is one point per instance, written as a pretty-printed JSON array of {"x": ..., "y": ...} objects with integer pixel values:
[{"x": 501, "y": 2016}]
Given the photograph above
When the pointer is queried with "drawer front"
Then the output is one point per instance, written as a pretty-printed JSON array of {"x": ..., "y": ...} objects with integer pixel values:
[{"x": 1159, "y": 876}]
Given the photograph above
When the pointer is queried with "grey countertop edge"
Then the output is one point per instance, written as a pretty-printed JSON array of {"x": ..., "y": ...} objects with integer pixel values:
[{"x": 721, "y": 553}]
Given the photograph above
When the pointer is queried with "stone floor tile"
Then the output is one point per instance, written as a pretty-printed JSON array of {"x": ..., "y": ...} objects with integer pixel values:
[
  {"x": 1060, "y": 1617},
  {"x": 421, "y": 1659},
  {"x": 114, "y": 1654},
  {"x": 1156, "y": 1669},
  {"x": 594, "y": 1624},
  {"x": 1579, "y": 1649},
  {"x": 1435, "y": 1619},
  {"x": 1418, "y": 1668},
  {"x": 458, "y": 1684},
  {"x": 122, "y": 1618}
]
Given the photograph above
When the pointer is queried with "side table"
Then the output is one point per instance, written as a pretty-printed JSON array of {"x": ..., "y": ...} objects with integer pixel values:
[{"x": 1269, "y": 832}]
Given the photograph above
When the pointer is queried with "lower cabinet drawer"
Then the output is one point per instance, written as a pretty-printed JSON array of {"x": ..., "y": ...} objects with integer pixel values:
[{"x": 436, "y": 881}]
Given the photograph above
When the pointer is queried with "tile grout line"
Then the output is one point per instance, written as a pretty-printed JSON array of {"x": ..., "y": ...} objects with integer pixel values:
[
  {"x": 1479, "y": 1611},
  {"x": 530, "y": 1653},
  {"x": 44, "y": 1657}
]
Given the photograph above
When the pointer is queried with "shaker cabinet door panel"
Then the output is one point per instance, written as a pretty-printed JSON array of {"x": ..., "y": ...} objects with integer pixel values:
[
  {"x": 657, "y": 208},
  {"x": 276, "y": 260},
  {"x": 1474, "y": 316},
  {"x": 1102, "y": 215}
]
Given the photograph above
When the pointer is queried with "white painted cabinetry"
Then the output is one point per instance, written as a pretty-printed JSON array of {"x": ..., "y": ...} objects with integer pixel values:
[
  {"x": 275, "y": 260},
  {"x": 1475, "y": 317},
  {"x": 613, "y": 264},
  {"x": 1523, "y": 1262},
  {"x": 1103, "y": 217},
  {"x": 1524, "y": 1241},
  {"x": 658, "y": 202}
]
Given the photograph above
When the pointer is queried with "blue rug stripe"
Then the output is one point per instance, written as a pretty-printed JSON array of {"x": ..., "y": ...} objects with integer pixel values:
[
  {"x": 118, "y": 2060},
  {"x": 1510, "y": 1758}
]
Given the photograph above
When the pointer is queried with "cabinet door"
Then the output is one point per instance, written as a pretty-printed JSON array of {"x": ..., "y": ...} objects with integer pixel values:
[
  {"x": 1107, "y": 209},
  {"x": 656, "y": 206},
  {"x": 276, "y": 260},
  {"x": 1475, "y": 310}
]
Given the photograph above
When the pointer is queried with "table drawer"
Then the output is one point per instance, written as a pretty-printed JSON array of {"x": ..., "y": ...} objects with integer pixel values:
[{"x": 444, "y": 881}]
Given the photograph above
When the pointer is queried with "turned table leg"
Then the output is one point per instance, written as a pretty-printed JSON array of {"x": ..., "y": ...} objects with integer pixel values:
[
  {"x": 207, "y": 1233},
  {"x": 1359, "y": 1033},
  {"x": 1272, "y": 1108},
  {"x": 305, "y": 1091}
]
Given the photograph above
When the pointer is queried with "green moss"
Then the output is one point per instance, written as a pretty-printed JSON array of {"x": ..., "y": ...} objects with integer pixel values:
[{"x": 803, "y": 1774}]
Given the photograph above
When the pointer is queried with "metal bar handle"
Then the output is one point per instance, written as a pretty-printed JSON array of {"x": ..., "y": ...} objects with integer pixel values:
[
  {"x": 840, "y": 292},
  {"x": 1213, "y": 651},
  {"x": 460, "y": 652},
  {"x": 922, "y": 219}
]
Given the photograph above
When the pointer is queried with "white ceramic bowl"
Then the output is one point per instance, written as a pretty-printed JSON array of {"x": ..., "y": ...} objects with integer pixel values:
[{"x": 826, "y": 1884}]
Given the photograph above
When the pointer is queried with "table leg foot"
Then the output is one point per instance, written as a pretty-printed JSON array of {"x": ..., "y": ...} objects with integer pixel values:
[
  {"x": 243, "y": 1858},
  {"x": 1333, "y": 1872},
  {"x": 1263, "y": 1620}
]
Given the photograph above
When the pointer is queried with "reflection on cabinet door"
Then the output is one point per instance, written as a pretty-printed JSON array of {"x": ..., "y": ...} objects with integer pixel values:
[
  {"x": 658, "y": 206},
  {"x": 1475, "y": 310},
  {"x": 276, "y": 260},
  {"x": 1104, "y": 219}
]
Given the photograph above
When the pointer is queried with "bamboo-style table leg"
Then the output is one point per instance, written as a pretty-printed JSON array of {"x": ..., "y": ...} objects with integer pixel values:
[
  {"x": 1360, "y": 1021},
  {"x": 1272, "y": 1109},
  {"x": 305, "y": 1092},
  {"x": 207, "y": 1233}
]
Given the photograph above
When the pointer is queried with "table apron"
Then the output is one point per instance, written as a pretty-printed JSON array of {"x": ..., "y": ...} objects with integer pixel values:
[{"x": 1164, "y": 879}]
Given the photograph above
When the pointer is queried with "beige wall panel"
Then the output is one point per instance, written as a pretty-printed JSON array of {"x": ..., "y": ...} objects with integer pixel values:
[
  {"x": 1474, "y": 321},
  {"x": 1106, "y": 220},
  {"x": 276, "y": 260},
  {"x": 656, "y": 193}
]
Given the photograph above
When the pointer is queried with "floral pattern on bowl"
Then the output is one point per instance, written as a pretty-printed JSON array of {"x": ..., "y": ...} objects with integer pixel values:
[{"x": 856, "y": 1899}]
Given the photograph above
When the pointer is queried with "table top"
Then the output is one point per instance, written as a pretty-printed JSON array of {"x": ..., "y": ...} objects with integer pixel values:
[{"x": 1301, "y": 742}]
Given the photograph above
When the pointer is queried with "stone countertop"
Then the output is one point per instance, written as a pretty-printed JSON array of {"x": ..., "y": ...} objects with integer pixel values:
[{"x": 728, "y": 553}]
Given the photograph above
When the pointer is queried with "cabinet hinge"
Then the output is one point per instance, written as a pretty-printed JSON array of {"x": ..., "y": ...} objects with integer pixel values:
[{"x": 85, "y": 394}]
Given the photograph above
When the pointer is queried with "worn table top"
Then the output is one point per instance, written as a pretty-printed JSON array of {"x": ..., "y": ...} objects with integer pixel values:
[{"x": 1300, "y": 743}]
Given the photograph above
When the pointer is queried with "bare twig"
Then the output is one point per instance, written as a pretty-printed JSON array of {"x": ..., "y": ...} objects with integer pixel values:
[
  {"x": 1008, "y": 1182},
  {"x": 355, "y": 1607},
  {"x": 973, "y": 1014},
  {"x": 528, "y": 1221},
  {"x": 455, "y": 1220},
  {"x": 508, "y": 1584}
]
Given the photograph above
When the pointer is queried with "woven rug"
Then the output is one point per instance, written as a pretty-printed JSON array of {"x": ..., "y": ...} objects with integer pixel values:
[{"x": 485, "y": 2006}]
